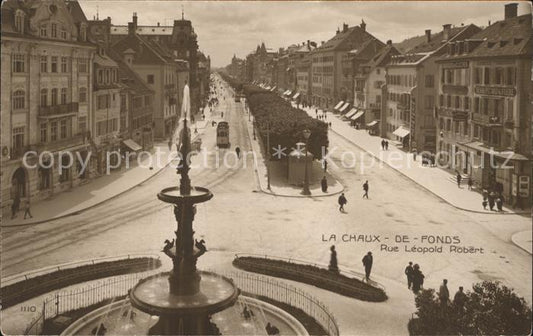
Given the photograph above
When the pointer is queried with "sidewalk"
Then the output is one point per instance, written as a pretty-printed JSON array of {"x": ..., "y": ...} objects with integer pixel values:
[
  {"x": 278, "y": 183},
  {"x": 435, "y": 180},
  {"x": 524, "y": 240},
  {"x": 101, "y": 189}
]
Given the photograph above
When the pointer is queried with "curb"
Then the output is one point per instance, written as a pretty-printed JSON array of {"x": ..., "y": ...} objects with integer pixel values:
[
  {"x": 77, "y": 212},
  {"x": 426, "y": 188},
  {"x": 520, "y": 245}
]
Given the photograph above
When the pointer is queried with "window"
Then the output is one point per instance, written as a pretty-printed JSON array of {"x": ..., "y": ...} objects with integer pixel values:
[
  {"x": 18, "y": 62},
  {"x": 107, "y": 76},
  {"x": 82, "y": 65},
  {"x": 43, "y": 31},
  {"x": 510, "y": 78},
  {"x": 448, "y": 125},
  {"x": 486, "y": 76},
  {"x": 63, "y": 129},
  {"x": 441, "y": 100},
  {"x": 82, "y": 124},
  {"x": 499, "y": 76},
  {"x": 83, "y": 32},
  {"x": 101, "y": 127},
  {"x": 103, "y": 101},
  {"x": 448, "y": 101},
  {"x": 477, "y": 76},
  {"x": 54, "y": 64},
  {"x": 100, "y": 76},
  {"x": 44, "y": 132},
  {"x": 82, "y": 95},
  {"x": 63, "y": 34},
  {"x": 19, "y": 100},
  {"x": 44, "y": 64},
  {"x": 44, "y": 97},
  {"x": 457, "y": 102},
  {"x": 63, "y": 95},
  {"x": 150, "y": 79},
  {"x": 19, "y": 21},
  {"x": 64, "y": 64},
  {"x": 53, "y": 131},
  {"x": 64, "y": 173},
  {"x": 54, "y": 30},
  {"x": 466, "y": 103},
  {"x": 429, "y": 81},
  {"x": 54, "y": 97},
  {"x": 429, "y": 102},
  {"x": 18, "y": 137}
]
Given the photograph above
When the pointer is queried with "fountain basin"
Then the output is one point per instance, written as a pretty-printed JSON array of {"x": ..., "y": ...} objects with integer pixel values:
[
  {"x": 152, "y": 295},
  {"x": 197, "y": 195}
]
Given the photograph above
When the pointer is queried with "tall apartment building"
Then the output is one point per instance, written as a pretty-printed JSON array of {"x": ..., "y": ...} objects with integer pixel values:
[
  {"x": 484, "y": 112},
  {"x": 329, "y": 84},
  {"x": 47, "y": 76},
  {"x": 412, "y": 88}
]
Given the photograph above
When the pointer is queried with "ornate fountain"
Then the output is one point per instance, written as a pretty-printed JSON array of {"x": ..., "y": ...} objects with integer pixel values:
[{"x": 184, "y": 298}]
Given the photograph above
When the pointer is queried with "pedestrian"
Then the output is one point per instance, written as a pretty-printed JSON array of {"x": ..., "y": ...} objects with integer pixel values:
[
  {"x": 27, "y": 209},
  {"x": 325, "y": 165},
  {"x": 386, "y": 144},
  {"x": 382, "y": 144},
  {"x": 459, "y": 178},
  {"x": 484, "y": 203},
  {"x": 170, "y": 144},
  {"x": 15, "y": 206},
  {"x": 342, "y": 202},
  {"x": 499, "y": 203},
  {"x": 365, "y": 188},
  {"x": 271, "y": 329},
  {"x": 460, "y": 298},
  {"x": 238, "y": 152},
  {"x": 333, "y": 265},
  {"x": 324, "y": 184},
  {"x": 418, "y": 279},
  {"x": 367, "y": 262},
  {"x": 330, "y": 124},
  {"x": 491, "y": 200},
  {"x": 316, "y": 111},
  {"x": 470, "y": 182},
  {"x": 409, "y": 274},
  {"x": 221, "y": 114},
  {"x": 444, "y": 294}
]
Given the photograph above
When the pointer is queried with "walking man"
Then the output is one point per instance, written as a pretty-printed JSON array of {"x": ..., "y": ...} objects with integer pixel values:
[
  {"x": 365, "y": 188},
  {"x": 386, "y": 145},
  {"x": 15, "y": 207},
  {"x": 27, "y": 209},
  {"x": 324, "y": 184},
  {"x": 444, "y": 294},
  {"x": 409, "y": 274},
  {"x": 382, "y": 144},
  {"x": 238, "y": 152},
  {"x": 418, "y": 279},
  {"x": 470, "y": 182},
  {"x": 459, "y": 178},
  {"x": 367, "y": 262},
  {"x": 460, "y": 298},
  {"x": 342, "y": 202},
  {"x": 325, "y": 165}
]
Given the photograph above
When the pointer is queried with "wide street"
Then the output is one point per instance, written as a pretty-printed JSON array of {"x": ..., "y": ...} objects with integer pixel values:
[{"x": 241, "y": 219}]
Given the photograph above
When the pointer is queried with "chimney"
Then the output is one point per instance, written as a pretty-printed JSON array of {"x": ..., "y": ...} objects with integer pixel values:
[
  {"x": 338, "y": 31},
  {"x": 511, "y": 10},
  {"x": 322, "y": 42},
  {"x": 132, "y": 26},
  {"x": 428, "y": 35},
  {"x": 135, "y": 18},
  {"x": 158, "y": 24},
  {"x": 344, "y": 27},
  {"x": 363, "y": 25},
  {"x": 389, "y": 42},
  {"x": 446, "y": 31}
]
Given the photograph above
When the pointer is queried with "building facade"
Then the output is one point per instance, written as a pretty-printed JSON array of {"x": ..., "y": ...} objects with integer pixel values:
[
  {"x": 46, "y": 98},
  {"x": 484, "y": 115}
]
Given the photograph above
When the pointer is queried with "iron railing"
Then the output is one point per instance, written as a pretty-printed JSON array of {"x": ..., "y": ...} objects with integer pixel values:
[
  {"x": 285, "y": 293},
  {"x": 42, "y": 271}
]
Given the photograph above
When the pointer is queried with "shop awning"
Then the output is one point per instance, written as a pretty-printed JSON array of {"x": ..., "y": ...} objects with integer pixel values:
[
  {"x": 273, "y": 88},
  {"x": 339, "y": 104},
  {"x": 401, "y": 131},
  {"x": 351, "y": 113},
  {"x": 373, "y": 123},
  {"x": 268, "y": 87},
  {"x": 344, "y": 107},
  {"x": 357, "y": 115},
  {"x": 289, "y": 93},
  {"x": 132, "y": 145},
  {"x": 296, "y": 95},
  {"x": 286, "y": 92}
]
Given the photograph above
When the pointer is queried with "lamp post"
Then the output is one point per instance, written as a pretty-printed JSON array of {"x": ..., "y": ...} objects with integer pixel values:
[
  {"x": 306, "y": 191},
  {"x": 253, "y": 128},
  {"x": 268, "y": 154}
]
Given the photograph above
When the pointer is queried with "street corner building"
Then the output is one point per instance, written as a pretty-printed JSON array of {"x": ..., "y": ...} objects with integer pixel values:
[{"x": 87, "y": 87}]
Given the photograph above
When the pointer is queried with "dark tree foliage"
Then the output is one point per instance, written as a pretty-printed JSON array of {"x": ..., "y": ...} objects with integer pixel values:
[{"x": 489, "y": 309}]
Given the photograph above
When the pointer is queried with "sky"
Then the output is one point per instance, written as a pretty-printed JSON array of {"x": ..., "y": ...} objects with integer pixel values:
[{"x": 225, "y": 28}]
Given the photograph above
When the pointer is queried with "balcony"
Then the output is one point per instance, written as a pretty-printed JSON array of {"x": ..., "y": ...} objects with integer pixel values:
[
  {"x": 73, "y": 141},
  {"x": 375, "y": 106},
  {"x": 58, "y": 110},
  {"x": 455, "y": 114},
  {"x": 487, "y": 120}
]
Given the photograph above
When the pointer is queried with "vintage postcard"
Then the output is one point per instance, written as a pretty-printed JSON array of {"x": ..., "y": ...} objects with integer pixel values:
[{"x": 266, "y": 167}]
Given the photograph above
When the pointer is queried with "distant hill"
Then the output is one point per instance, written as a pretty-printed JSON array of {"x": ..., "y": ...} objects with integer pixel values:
[{"x": 409, "y": 43}]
